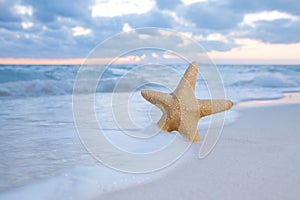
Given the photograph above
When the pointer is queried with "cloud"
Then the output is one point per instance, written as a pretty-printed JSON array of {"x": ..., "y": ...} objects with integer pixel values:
[
  {"x": 126, "y": 28},
  {"x": 22, "y": 10},
  {"x": 147, "y": 39},
  {"x": 121, "y": 7},
  {"x": 252, "y": 18},
  {"x": 248, "y": 6},
  {"x": 272, "y": 27},
  {"x": 80, "y": 31},
  {"x": 267, "y": 21},
  {"x": 27, "y": 25},
  {"x": 7, "y": 15},
  {"x": 216, "y": 42},
  {"x": 153, "y": 18},
  {"x": 211, "y": 15},
  {"x": 71, "y": 28},
  {"x": 47, "y": 11},
  {"x": 282, "y": 31}
]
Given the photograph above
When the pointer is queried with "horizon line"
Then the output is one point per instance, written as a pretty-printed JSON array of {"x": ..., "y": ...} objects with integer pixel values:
[{"x": 80, "y": 61}]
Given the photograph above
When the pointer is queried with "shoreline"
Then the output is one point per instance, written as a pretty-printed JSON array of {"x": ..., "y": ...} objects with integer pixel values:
[
  {"x": 288, "y": 98},
  {"x": 255, "y": 158}
]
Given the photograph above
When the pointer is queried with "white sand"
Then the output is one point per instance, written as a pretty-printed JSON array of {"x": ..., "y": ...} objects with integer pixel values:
[{"x": 257, "y": 157}]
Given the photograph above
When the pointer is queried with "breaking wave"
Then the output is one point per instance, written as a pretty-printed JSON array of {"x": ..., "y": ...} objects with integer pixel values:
[{"x": 241, "y": 82}]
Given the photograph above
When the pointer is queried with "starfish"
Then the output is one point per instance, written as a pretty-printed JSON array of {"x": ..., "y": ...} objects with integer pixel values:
[{"x": 181, "y": 109}]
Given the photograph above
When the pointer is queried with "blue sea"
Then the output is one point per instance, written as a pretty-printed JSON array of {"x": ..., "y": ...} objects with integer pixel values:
[{"x": 41, "y": 154}]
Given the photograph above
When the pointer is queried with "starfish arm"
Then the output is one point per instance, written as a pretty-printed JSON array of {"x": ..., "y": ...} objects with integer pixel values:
[
  {"x": 189, "y": 128},
  {"x": 208, "y": 107},
  {"x": 188, "y": 80},
  {"x": 160, "y": 99},
  {"x": 181, "y": 110},
  {"x": 162, "y": 123}
]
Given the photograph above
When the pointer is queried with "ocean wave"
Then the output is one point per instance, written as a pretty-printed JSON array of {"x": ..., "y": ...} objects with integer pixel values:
[
  {"x": 267, "y": 81},
  {"x": 34, "y": 81},
  {"x": 37, "y": 88}
]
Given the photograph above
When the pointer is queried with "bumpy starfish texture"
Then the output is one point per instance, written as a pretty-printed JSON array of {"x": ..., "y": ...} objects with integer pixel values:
[{"x": 181, "y": 109}]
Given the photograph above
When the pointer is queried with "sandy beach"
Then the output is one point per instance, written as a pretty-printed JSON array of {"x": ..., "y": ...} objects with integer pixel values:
[{"x": 257, "y": 157}]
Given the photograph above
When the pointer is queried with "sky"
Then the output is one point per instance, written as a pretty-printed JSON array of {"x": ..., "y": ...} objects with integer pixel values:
[{"x": 231, "y": 31}]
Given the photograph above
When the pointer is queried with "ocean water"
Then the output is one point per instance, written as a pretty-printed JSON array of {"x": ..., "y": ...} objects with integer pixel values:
[
  {"x": 42, "y": 156},
  {"x": 242, "y": 82}
]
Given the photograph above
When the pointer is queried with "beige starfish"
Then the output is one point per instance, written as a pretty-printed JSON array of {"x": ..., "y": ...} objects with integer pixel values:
[{"x": 181, "y": 109}]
